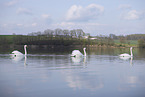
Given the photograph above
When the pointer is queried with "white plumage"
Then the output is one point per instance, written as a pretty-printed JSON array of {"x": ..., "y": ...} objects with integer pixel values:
[
  {"x": 17, "y": 53},
  {"x": 77, "y": 53},
  {"x": 127, "y": 55},
  {"x": 124, "y": 55}
]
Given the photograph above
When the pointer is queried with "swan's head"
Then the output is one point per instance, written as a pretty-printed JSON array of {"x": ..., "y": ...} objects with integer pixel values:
[
  {"x": 84, "y": 48},
  {"x": 25, "y": 46},
  {"x": 131, "y": 48}
]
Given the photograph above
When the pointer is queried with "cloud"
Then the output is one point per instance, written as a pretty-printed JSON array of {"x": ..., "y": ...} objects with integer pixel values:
[
  {"x": 130, "y": 14},
  {"x": 11, "y": 3},
  {"x": 45, "y": 16},
  {"x": 79, "y": 13},
  {"x": 87, "y": 27},
  {"x": 24, "y": 11},
  {"x": 34, "y": 24},
  {"x": 19, "y": 24},
  {"x": 133, "y": 15},
  {"x": 4, "y": 25},
  {"x": 124, "y": 7},
  {"x": 76, "y": 25}
]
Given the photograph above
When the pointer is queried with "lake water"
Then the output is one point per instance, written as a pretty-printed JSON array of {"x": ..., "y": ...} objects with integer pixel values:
[{"x": 55, "y": 74}]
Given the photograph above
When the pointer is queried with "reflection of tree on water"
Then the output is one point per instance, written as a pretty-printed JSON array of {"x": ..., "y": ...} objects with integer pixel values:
[{"x": 83, "y": 81}]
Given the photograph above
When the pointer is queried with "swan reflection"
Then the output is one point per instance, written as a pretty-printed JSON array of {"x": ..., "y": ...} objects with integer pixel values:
[
  {"x": 16, "y": 58},
  {"x": 25, "y": 62},
  {"x": 127, "y": 58},
  {"x": 124, "y": 58},
  {"x": 131, "y": 61},
  {"x": 78, "y": 59},
  {"x": 19, "y": 58}
]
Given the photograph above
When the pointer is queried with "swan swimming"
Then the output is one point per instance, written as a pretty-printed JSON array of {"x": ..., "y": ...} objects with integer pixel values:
[
  {"x": 127, "y": 55},
  {"x": 77, "y": 53},
  {"x": 17, "y": 53}
]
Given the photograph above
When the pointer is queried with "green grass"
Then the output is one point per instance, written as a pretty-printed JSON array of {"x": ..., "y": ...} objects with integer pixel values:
[
  {"x": 14, "y": 39},
  {"x": 127, "y": 43},
  {"x": 6, "y": 39}
]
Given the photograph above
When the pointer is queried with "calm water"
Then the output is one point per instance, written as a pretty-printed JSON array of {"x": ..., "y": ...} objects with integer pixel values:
[{"x": 101, "y": 74}]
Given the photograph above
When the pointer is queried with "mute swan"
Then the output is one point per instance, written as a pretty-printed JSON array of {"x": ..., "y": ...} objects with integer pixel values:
[
  {"x": 17, "y": 53},
  {"x": 127, "y": 55},
  {"x": 77, "y": 53}
]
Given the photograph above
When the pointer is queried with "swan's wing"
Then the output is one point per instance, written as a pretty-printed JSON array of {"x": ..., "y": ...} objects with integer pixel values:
[
  {"x": 17, "y": 52},
  {"x": 76, "y": 53},
  {"x": 124, "y": 55}
]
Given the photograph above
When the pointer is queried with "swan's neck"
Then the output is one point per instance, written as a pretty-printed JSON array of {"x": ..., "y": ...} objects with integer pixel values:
[
  {"x": 131, "y": 52},
  {"x": 25, "y": 51},
  {"x": 84, "y": 52}
]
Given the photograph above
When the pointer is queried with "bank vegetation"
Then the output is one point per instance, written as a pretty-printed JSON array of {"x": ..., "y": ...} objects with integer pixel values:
[{"x": 66, "y": 37}]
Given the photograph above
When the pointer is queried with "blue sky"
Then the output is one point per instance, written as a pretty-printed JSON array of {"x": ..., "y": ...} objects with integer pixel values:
[{"x": 120, "y": 17}]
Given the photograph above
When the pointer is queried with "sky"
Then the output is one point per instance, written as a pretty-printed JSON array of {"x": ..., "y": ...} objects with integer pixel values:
[{"x": 97, "y": 17}]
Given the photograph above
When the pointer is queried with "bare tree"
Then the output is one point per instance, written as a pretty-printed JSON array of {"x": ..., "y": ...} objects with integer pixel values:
[
  {"x": 66, "y": 33},
  {"x": 80, "y": 33}
]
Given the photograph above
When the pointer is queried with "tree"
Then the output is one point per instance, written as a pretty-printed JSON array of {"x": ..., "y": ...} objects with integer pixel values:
[
  {"x": 80, "y": 33},
  {"x": 73, "y": 33},
  {"x": 48, "y": 32},
  {"x": 113, "y": 36},
  {"x": 141, "y": 43},
  {"x": 66, "y": 33},
  {"x": 58, "y": 32},
  {"x": 122, "y": 40}
]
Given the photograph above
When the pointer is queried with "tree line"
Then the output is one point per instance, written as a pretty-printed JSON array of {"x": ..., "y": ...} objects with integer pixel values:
[
  {"x": 65, "y": 33},
  {"x": 123, "y": 39},
  {"x": 47, "y": 37},
  {"x": 70, "y": 37},
  {"x": 128, "y": 37}
]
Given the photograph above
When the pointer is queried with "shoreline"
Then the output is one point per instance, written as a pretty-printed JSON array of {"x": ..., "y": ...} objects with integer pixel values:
[{"x": 62, "y": 46}]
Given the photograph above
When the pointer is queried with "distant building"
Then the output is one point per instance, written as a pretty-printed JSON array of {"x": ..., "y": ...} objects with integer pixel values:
[
  {"x": 85, "y": 37},
  {"x": 74, "y": 37},
  {"x": 93, "y": 38}
]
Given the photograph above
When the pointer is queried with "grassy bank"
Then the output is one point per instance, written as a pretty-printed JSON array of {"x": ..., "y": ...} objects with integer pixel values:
[
  {"x": 133, "y": 43},
  {"x": 63, "y": 41}
]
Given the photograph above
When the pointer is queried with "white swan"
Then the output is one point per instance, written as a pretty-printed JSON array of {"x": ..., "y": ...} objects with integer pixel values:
[
  {"x": 17, "y": 53},
  {"x": 127, "y": 55},
  {"x": 77, "y": 53}
]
